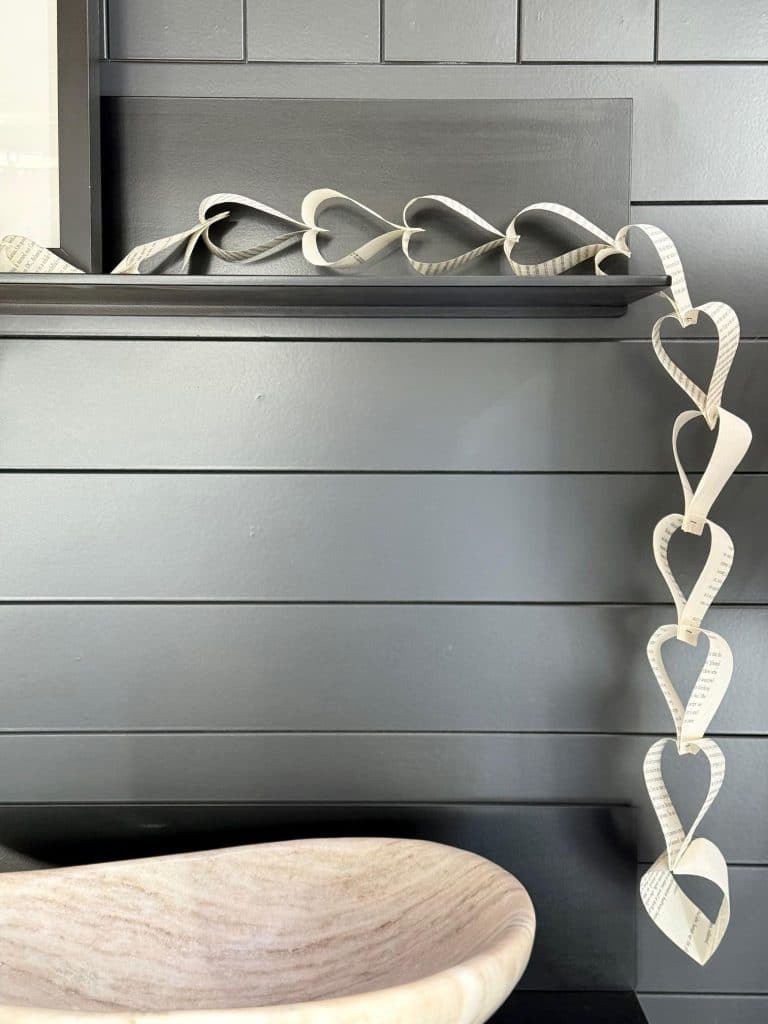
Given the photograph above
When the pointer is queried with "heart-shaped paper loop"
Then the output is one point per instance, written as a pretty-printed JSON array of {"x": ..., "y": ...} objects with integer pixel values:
[
  {"x": 728, "y": 332},
  {"x": 319, "y": 199},
  {"x": 675, "y": 913},
  {"x": 565, "y": 261},
  {"x": 691, "y": 610},
  {"x": 693, "y": 719},
  {"x": 255, "y": 252},
  {"x": 676, "y": 839},
  {"x": 431, "y": 267},
  {"x": 670, "y": 261},
  {"x": 733, "y": 440},
  {"x": 141, "y": 254}
]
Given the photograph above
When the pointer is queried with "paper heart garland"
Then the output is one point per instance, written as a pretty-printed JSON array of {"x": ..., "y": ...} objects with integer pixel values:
[
  {"x": 432, "y": 267},
  {"x": 691, "y": 609},
  {"x": 693, "y": 719}
]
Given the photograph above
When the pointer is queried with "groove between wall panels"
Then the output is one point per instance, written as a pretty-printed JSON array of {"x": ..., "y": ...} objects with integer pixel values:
[
  {"x": 261, "y": 733},
  {"x": 279, "y": 471}
]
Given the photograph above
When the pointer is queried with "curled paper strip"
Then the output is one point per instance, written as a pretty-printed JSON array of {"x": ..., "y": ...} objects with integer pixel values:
[
  {"x": 255, "y": 252},
  {"x": 136, "y": 258},
  {"x": 733, "y": 440},
  {"x": 693, "y": 719},
  {"x": 685, "y": 854},
  {"x": 675, "y": 913},
  {"x": 692, "y": 609}
]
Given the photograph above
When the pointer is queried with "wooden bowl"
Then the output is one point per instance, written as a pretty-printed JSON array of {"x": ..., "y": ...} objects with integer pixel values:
[{"x": 319, "y": 931}]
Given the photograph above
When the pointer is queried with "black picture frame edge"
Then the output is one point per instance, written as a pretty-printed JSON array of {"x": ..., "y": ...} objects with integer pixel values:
[{"x": 78, "y": 27}]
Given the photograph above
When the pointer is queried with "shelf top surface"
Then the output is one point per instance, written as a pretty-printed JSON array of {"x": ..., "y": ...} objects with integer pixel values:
[{"x": 190, "y": 282}]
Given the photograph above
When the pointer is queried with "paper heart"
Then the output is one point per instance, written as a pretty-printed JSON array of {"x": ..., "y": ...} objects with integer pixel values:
[
  {"x": 728, "y": 332},
  {"x": 733, "y": 440},
  {"x": 668, "y": 256},
  {"x": 692, "y": 609},
  {"x": 565, "y": 261},
  {"x": 676, "y": 839},
  {"x": 456, "y": 262},
  {"x": 675, "y": 913},
  {"x": 319, "y": 199},
  {"x": 255, "y": 252},
  {"x": 693, "y": 719}
]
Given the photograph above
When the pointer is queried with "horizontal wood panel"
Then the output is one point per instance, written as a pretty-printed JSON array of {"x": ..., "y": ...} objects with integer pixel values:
[
  {"x": 360, "y": 668},
  {"x": 705, "y": 1009},
  {"x": 734, "y": 31},
  {"x": 674, "y": 108},
  {"x": 308, "y": 767},
  {"x": 350, "y": 406},
  {"x": 739, "y": 966},
  {"x": 336, "y": 537},
  {"x": 175, "y": 30}
]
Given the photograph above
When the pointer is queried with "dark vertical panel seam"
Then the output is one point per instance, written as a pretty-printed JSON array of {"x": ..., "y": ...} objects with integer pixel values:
[
  {"x": 244, "y": 30},
  {"x": 656, "y": 31},
  {"x": 382, "y": 58},
  {"x": 104, "y": 12},
  {"x": 519, "y": 33}
]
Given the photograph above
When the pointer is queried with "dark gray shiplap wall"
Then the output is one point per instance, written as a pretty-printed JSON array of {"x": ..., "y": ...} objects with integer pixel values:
[{"x": 401, "y": 642}]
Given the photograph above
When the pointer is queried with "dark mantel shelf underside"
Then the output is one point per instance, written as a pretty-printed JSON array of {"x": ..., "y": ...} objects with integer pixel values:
[{"x": 237, "y": 295}]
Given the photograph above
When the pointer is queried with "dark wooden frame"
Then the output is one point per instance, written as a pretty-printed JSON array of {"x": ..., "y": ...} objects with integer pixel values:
[{"x": 78, "y": 28}]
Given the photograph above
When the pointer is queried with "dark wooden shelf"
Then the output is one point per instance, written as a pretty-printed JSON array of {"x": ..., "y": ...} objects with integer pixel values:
[
  {"x": 238, "y": 295},
  {"x": 574, "y": 1007}
]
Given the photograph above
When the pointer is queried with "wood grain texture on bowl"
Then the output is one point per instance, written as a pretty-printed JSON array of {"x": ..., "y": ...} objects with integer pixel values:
[{"x": 305, "y": 932}]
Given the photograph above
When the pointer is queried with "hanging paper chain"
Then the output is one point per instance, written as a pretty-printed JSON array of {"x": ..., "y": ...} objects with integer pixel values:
[{"x": 685, "y": 853}]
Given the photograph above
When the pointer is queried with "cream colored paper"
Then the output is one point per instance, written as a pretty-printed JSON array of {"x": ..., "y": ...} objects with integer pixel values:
[
  {"x": 685, "y": 853},
  {"x": 20, "y": 255}
]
